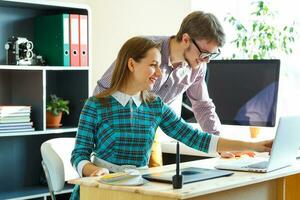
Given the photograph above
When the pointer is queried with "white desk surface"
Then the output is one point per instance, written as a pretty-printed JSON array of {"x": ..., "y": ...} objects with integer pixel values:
[{"x": 238, "y": 179}]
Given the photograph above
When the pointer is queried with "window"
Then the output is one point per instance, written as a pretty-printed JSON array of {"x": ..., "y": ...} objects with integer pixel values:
[{"x": 289, "y": 94}]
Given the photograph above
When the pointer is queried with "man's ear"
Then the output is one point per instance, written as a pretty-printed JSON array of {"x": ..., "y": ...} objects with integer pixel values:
[
  {"x": 186, "y": 39},
  {"x": 131, "y": 64}
]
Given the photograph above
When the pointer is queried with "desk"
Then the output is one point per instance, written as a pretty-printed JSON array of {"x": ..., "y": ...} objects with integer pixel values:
[{"x": 241, "y": 185}]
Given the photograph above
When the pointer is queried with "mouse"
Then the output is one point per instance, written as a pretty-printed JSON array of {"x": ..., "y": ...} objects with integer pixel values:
[{"x": 189, "y": 172}]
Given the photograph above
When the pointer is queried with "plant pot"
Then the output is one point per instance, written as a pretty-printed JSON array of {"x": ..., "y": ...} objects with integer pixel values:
[
  {"x": 53, "y": 121},
  {"x": 254, "y": 131}
]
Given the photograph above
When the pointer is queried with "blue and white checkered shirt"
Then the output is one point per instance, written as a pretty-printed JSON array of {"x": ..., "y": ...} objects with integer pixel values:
[
  {"x": 123, "y": 135},
  {"x": 122, "y": 131}
]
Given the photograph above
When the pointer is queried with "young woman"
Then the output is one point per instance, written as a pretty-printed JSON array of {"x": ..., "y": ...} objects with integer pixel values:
[{"x": 119, "y": 124}]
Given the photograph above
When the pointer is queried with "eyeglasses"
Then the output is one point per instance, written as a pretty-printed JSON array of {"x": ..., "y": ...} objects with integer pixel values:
[{"x": 206, "y": 55}]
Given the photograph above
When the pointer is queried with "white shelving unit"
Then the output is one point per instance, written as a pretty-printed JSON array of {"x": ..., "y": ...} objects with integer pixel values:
[{"x": 20, "y": 166}]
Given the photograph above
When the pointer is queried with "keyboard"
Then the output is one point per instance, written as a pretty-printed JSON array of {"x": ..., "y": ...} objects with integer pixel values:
[{"x": 259, "y": 165}]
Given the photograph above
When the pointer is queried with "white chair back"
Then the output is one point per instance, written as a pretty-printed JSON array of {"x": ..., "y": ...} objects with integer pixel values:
[{"x": 56, "y": 154}]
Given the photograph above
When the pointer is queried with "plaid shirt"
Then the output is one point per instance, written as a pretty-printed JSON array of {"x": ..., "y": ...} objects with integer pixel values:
[
  {"x": 124, "y": 135},
  {"x": 174, "y": 82}
]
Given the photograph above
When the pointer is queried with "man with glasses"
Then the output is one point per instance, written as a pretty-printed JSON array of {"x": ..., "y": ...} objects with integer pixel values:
[{"x": 183, "y": 68}]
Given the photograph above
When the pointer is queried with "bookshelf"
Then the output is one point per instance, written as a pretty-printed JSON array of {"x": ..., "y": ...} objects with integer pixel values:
[{"x": 31, "y": 85}]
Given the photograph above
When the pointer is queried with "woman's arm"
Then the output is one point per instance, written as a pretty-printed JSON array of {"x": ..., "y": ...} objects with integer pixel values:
[
  {"x": 178, "y": 129},
  {"x": 84, "y": 146},
  {"x": 236, "y": 145}
]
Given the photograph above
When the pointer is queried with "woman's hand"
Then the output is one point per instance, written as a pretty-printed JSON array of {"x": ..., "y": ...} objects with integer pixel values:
[
  {"x": 100, "y": 172},
  {"x": 228, "y": 145},
  {"x": 237, "y": 154},
  {"x": 90, "y": 169}
]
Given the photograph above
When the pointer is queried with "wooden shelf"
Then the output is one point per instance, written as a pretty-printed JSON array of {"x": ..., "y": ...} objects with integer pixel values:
[
  {"x": 46, "y": 5},
  {"x": 32, "y": 85},
  {"x": 33, "y": 192},
  {"x": 26, "y": 68},
  {"x": 47, "y": 131}
]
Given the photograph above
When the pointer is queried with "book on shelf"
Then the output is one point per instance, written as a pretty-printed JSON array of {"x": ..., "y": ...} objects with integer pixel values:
[
  {"x": 17, "y": 130},
  {"x": 5, "y": 125},
  {"x": 14, "y": 127},
  {"x": 14, "y": 119},
  {"x": 52, "y": 38},
  {"x": 18, "y": 114},
  {"x": 14, "y": 108}
]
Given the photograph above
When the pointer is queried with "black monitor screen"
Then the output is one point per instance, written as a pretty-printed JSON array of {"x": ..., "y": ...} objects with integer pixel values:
[{"x": 243, "y": 91}]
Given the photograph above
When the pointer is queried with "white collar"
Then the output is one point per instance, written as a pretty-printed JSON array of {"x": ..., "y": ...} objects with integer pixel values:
[{"x": 123, "y": 98}]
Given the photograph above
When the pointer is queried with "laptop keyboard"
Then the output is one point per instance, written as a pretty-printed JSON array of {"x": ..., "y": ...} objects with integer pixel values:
[{"x": 259, "y": 165}]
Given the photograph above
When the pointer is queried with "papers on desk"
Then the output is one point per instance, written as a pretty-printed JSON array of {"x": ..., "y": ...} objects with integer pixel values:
[{"x": 128, "y": 178}]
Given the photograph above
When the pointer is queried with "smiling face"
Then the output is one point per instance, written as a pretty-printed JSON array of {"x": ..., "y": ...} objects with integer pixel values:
[
  {"x": 146, "y": 71},
  {"x": 196, "y": 51}
]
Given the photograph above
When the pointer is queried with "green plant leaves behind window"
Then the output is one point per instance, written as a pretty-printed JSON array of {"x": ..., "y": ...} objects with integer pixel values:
[{"x": 258, "y": 38}]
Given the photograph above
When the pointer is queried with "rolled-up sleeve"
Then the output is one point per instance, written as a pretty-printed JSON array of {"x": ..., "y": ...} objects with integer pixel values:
[
  {"x": 178, "y": 129},
  {"x": 202, "y": 105},
  {"x": 84, "y": 145}
]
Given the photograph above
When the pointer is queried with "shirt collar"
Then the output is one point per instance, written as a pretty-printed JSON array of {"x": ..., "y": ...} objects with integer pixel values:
[
  {"x": 123, "y": 98},
  {"x": 165, "y": 48},
  {"x": 166, "y": 54}
]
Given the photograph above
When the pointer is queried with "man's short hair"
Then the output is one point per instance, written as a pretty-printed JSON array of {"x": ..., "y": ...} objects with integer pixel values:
[{"x": 201, "y": 25}]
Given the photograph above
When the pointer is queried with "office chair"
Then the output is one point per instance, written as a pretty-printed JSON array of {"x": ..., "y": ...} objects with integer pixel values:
[{"x": 56, "y": 154}]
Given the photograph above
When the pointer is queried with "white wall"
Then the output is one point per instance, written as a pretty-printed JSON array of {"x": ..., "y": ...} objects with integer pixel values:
[{"x": 115, "y": 21}]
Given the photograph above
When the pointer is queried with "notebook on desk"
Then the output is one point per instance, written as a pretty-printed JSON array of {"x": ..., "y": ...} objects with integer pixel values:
[
  {"x": 283, "y": 153},
  {"x": 191, "y": 174}
]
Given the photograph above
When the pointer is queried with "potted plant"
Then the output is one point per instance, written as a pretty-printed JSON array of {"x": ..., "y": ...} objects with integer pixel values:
[
  {"x": 55, "y": 108},
  {"x": 259, "y": 37}
]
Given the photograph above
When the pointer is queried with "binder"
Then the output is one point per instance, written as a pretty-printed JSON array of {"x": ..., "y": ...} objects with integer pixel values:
[
  {"x": 83, "y": 40},
  {"x": 51, "y": 39},
  {"x": 74, "y": 40}
]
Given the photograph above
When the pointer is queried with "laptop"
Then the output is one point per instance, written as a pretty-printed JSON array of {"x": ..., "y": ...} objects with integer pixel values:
[{"x": 284, "y": 150}]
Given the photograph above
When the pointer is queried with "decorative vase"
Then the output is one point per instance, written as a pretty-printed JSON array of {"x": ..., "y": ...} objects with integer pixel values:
[
  {"x": 53, "y": 121},
  {"x": 254, "y": 132}
]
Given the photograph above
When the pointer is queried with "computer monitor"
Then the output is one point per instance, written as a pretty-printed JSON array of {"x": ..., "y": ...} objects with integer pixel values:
[{"x": 243, "y": 91}]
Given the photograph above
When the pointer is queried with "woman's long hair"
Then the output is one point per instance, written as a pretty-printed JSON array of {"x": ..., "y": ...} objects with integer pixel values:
[{"x": 135, "y": 48}]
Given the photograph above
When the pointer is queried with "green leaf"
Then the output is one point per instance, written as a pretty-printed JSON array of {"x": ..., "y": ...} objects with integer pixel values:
[
  {"x": 254, "y": 25},
  {"x": 57, "y": 105},
  {"x": 260, "y": 39}
]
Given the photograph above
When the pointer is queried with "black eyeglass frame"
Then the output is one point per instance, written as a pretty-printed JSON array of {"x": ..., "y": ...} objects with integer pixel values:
[{"x": 205, "y": 55}]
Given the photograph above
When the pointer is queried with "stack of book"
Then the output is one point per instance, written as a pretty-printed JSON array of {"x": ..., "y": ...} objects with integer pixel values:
[{"x": 15, "y": 119}]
